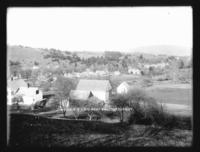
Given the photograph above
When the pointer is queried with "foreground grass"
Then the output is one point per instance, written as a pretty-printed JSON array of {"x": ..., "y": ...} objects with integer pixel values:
[{"x": 29, "y": 130}]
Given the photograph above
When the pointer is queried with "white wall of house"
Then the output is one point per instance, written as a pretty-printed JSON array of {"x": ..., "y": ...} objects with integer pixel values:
[
  {"x": 134, "y": 71},
  {"x": 30, "y": 95},
  {"x": 9, "y": 96},
  {"x": 122, "y": 89},
  {"x": 102, "y": 95}
]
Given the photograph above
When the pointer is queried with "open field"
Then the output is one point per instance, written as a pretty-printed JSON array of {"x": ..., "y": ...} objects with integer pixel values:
[
  {"x": 29, "y": 130},
  {"x": 172, "y": 95},
  {"x": 176, "y": 98}
]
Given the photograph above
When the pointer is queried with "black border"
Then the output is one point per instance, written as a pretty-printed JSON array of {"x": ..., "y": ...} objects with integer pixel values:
[{"x": 195, "y": 4}]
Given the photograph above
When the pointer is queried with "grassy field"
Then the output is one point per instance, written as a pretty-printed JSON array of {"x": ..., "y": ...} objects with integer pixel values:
[
  {"x": 172, "y": 95},
  {"x": 28, "y": 130}
]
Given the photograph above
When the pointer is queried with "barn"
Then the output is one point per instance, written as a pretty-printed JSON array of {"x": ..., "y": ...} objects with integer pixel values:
[{"x": 97, "y": 88}]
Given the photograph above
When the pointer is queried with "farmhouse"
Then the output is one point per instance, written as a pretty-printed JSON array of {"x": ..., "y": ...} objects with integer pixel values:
[
  {"x": 87, "y": 88},
  {"x": 123, "y": 88},
  {"x": 29, "y": 94}
]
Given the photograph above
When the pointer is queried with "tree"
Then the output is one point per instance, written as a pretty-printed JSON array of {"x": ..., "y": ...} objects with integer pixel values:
[
  {"x": 112, "y": 55},
  {"x": 75, "y": 105},
  {"x": 26, "y": 74},
  {"x": 151, "y": 71},
  {"x": 36, "y": 63},
  {"x": 143, "y": 107},
  {"x": 139, "y": 102},
  {"x": 63, "y": 87},
  {"x": 93, "y": 105},
  {"x": 14, "y": 67},
  {"x": 120, "y": 101},
  {"x": 64, "y": 105},
  {"x": 180, "y": 64},
  {"x": 16, "y": 100}
]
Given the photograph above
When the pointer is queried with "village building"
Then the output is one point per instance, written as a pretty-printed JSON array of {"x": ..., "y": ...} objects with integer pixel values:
[
  {"x": 158, "y": 65},
  {"x": 123, "y": 88},
  {"x": 80, "y": 95},
  {"x": 35, "y": 67},
  {"x": 134, "y": 71},
  {"x": 88, "y": 88},
  {"x": 99, "y": 72},
  {"x": 116, "y": 73},
  {"x": 30, "y": 95}
]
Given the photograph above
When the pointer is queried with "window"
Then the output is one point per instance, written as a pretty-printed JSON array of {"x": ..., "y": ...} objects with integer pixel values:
[{"x": 37, "y": 91}]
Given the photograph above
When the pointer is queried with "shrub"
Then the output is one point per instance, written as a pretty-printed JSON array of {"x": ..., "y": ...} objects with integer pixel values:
[
  {"x": 52, "y": 103},
  {"x": 156, "y": 115},
  {"x": 146, "y": 82},
  {"x": 16, "y": 100}
]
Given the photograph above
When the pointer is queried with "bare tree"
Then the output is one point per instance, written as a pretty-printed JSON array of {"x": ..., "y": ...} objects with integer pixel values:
[
  {"x": 75, "y": 105},
  {"x": 120, "y": 101},
  {"x": 63, "y": 87},
  {"x": 16, "y": 100},
  {"x": 93, "y": 105}
]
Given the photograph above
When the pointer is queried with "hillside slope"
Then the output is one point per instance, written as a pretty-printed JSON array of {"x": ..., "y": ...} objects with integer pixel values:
[{"x": 26, "y": 55}]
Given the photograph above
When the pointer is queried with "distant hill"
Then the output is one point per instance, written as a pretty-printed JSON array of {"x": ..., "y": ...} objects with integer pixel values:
[
  {"x": 26, "y": 55},
  {"x": 87, "y": 54},
  {"x": 169, "y": 50}
]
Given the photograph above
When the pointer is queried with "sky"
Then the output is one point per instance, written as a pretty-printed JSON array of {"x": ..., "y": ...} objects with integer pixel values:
[{"x": 99, "y": 28}]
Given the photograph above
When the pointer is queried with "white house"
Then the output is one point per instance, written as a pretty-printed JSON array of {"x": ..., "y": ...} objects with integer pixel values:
[
  {"x": 123, "y": 88},
  {"x": 134, "y": 71},
  {"x": 35, "y": 67},
  {"x": 98, "y": 88},
  {"x": 99, "y": 72},
  {"x": 116, "y": 73},
  {"x": 30, "y": 95}
]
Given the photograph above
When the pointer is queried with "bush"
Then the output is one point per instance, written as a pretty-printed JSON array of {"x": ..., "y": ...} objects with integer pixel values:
[
  {"x": 153, "y": 114},
  {"x": 146, "y": 82},
  {"x": 52, "y": 103},
  {"x": 110, "y": 114}
]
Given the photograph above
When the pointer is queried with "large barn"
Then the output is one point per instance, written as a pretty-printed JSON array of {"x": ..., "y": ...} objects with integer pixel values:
[{"x": 87, "y": 88}]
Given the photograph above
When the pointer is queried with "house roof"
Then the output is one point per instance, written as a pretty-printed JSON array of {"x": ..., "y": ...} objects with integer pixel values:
[
  {"x": 92, "y": 85},
  {"x": 15, "y": 84},
  {"x": 124, "y": 84},
  {"x": 80, "y": 94}
]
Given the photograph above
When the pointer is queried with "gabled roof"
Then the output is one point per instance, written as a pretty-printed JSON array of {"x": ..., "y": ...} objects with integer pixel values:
[
  {"x": 15, "y": 84},
  {"x": 92, "y": 85},
  {"x": 124, "y": 84},
  {"x": 80, "y": 94}
]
